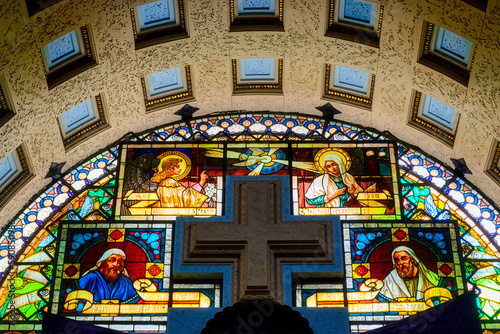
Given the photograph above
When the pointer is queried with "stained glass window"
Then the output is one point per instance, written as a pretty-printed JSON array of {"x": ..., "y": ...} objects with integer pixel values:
[{"x": 118, "y": 210}]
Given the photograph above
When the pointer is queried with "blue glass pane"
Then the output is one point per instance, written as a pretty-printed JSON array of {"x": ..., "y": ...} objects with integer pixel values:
[
  {"x": 165, "y": 81},
  {"x": 256, "y": 7},
  {"x": 439, "y": 113},
  {"x": 453, "y": 46},
  {"x": 256, "y": 4},
  {"x": 8, "y": 168},
  {"x": 156, "y": 14},
  {"x": 351, "y": 79},
  {"x": 257, "y": 66},
  {"x": 63, "y": 48},
  {"x": 358, "y": 12},
  {"x": 257, "y": 69},
  {"x": 78, "y": 116}
]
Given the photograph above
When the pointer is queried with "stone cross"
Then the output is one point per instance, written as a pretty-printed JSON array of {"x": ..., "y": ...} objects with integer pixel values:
[{"x": 258, "y": 241}]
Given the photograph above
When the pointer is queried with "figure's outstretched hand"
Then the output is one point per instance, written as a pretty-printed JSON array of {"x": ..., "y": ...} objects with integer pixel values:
[
  {"x": 203, "y": 178},
  {"x": 332, "y": 194}
]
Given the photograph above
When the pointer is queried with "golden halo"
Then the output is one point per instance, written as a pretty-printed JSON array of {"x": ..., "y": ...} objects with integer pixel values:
[
  {"x": 319, "y": 158},
  {"x": 185, "y": 163}
]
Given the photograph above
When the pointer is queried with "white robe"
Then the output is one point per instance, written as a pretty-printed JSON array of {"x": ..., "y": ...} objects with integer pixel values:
[
  {"x": 395, "y": 287},
  {"x": 319, "y": 187}
]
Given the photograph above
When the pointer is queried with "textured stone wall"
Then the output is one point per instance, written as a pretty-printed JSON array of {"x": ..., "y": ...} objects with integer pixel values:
[{"x": 209, "y": 51}]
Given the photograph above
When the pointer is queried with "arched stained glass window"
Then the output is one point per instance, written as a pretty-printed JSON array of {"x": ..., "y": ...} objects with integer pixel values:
[{"x": 112, "y": 218}]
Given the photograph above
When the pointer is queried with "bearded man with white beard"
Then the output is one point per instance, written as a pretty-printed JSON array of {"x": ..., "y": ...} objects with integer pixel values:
[
  {"x": 108, "y": 279},
  {"x": 409, "y": 278}
]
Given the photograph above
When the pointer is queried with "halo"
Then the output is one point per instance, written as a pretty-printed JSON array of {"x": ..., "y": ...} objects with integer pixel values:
[
  {"x": 185, "y": 163},
  {"x": 319, "y": 158}
]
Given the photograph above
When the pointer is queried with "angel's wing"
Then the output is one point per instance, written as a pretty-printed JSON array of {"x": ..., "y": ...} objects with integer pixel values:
[
  {"x": 430, "y": 206},
  {"x": 137, "y": 175},
  {"x": 87, "y": 206}
]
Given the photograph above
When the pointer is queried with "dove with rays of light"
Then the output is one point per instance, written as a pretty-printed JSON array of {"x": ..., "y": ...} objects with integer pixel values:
[{"x": 261, "y": 159}]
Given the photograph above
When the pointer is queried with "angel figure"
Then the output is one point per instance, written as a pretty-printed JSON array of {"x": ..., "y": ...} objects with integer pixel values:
[{"x": 171, "y": 193}]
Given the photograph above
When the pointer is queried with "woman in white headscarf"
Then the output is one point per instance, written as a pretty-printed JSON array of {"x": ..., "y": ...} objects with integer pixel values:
[{"x": 333, "y": 188}]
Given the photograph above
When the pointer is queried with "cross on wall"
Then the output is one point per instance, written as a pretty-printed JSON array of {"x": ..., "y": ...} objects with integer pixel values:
[{"x": 257, "y": 241}]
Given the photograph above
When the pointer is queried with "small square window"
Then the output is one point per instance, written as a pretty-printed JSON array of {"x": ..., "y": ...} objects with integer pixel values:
[
  {"x": 356, "y": 81},
  {"x": 15, "y": 172},
  {"x": 439, "y": 113},
  {"x": 158, "y": 22},
  {"x": 78, "y": 116},
  {"x": 62, "y": 50},
  {"x": 9, "y": 168},
  {"x": 36, "y": 6},
  {"x": 349, "y": 85},
  {"x": 355, "y": 20},
  {"x": 156, "y": 14},
  {"x": 447, "y": 52},
  {"x": 257, "y": 69},
  {"x": 358, "y": 12},
  {"x": 68, "y": 56},
  {"x": 434, "y": 117},
  {"x": 6, "y": 105},
  {"x": 82, "y": 122},
  {"x": 453, "y": 46},
  {"x": 479, "y": 4},
  {"x": 165, "y": 81},
  {"x": 256, "y": 7},
  {"x": 252, "y": 75},
  {"x": 166, "y": 88},
  {"x": 493, "y": 166},
  {"x": 248, "y": 15}
]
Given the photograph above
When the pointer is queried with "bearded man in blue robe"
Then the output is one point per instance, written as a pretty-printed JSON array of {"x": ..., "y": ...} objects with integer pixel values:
[{"x": 108, "y": 279}]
